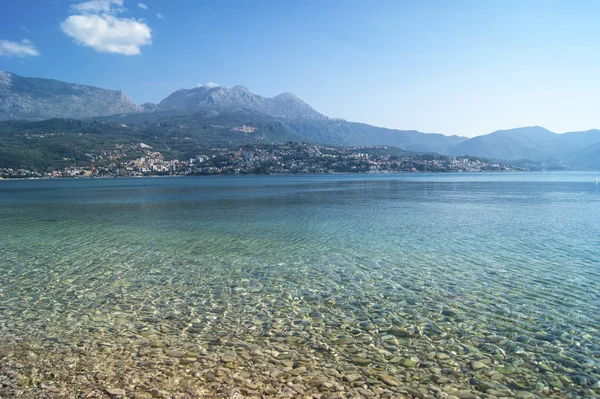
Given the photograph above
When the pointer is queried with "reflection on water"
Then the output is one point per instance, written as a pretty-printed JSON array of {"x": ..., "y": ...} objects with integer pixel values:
[{"x": 339, "y": 286}]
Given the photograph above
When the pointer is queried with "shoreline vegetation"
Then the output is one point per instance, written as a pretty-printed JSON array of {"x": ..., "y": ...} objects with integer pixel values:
[{"x": 141, "y": 160}]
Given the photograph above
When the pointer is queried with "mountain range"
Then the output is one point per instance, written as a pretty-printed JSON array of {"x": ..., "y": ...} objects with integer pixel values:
[
  {"x": 221, "y": 115},
  {"x": 577, "y": 149}
]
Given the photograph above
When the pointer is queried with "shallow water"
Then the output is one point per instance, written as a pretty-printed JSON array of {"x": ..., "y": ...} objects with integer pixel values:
[{"x": 393, "y": 286}]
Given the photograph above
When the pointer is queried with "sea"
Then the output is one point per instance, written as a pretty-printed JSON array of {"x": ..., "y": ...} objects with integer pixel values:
[{"x": 457, "y": 285}]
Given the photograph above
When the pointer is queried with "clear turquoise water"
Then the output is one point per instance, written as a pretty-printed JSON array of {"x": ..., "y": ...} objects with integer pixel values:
[{"x": 504, "y": 267}]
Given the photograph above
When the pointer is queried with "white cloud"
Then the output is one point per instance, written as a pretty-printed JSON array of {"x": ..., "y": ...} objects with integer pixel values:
[
  {"x": 96, "y": 25},
  {"x": 15, "y": 49},
  {"x": 143, "y": 6},
  {"x": 208, "y": 84},
  {"x": 98, "y": 6},
  {"x": 160, "y": 16},
  {"x": 108, "y": 34}
]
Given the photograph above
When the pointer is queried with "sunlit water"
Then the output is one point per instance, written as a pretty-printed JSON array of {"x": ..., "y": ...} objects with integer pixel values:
[{"x": 480, "y": 284}]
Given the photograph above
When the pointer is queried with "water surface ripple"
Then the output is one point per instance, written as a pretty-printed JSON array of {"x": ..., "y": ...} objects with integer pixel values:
[{"x": 405, "y": 286}]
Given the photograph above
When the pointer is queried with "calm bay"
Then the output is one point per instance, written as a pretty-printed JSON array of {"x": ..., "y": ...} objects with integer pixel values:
[{"x": 340, "y": 286}]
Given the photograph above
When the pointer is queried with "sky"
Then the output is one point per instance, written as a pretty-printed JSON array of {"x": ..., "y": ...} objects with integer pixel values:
[{"x": 453, "y": 67}]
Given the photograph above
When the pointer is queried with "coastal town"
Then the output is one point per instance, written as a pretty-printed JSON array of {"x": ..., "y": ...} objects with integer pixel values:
[{"x": 139, "y": 159}]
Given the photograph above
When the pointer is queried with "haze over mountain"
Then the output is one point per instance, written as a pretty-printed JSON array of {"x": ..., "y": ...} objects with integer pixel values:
[
  {"x": 38, "y": 99},
  {"x": 519, "y": 143},
  {"x": 580, "y": 149}
]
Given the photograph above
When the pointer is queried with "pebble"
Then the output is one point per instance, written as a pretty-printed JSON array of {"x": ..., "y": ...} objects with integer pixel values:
[
  {"x": 359, "y": 351},
  {"x": 507, "y": 370},
  {"x": 365, "y": 392},
  {"x": 115, "y": 392},
  {"x": 418, "y": 393},
  {"x": 352, "y": 377},
  {"x": 544, "y": 367},
  {"x": 475, "y": 365},
  {"x": 524, "y": 395},
  {"x": 178, "y": 354},
  {"x": 465, "y": 395},
  {"x": 389, "y": 380},
  {"x": 360, "y": 361},
  {"x": 556, "y": 383},
  {"x": 498, "y": 393}
]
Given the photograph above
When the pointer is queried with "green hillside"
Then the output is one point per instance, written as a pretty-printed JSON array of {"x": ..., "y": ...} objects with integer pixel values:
[{"x": 57, "y": 142}]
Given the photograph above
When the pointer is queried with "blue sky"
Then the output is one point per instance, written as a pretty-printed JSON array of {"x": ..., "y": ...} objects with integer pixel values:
[{"x": 454, "y": 67}]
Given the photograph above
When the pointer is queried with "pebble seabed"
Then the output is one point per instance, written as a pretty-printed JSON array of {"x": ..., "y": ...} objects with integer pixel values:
[{"x": 283, "y": 330}]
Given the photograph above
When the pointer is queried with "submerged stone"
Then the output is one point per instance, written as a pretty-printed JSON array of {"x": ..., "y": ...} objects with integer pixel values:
[
  {"x": 389, "y": 380},
  {"x": 507, "y": 370},
  {"x": 116, "y": 393},
  {"x": 475, "y": 365}
]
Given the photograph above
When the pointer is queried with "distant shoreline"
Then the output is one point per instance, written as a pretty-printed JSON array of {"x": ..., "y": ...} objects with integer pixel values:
[{"x": 299, "y": 174}]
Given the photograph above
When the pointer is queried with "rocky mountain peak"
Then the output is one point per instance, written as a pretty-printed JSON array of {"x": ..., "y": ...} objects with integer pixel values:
[
  {"x": 240, "y": 89},
  {"x": 287, "y": 96},
  {"x": 285, "y": 105},
  {"x": 36, "y": 98}
]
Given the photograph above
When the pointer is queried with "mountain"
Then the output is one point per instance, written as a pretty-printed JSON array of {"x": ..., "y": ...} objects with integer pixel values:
[
  {"x": 204, "y": 108},
  {"x": 38, "y": 99},
  {"x": 205, "y": 116},
  {"x": 577, "y": 149},
  {"x": 285, "y": 105},
  {"x": 298, "y": 117},
  {"x": 148, "y": 107},
  {"x": 588, "y": 158},
  {"x": 521, "y": 143},
  {"x": 344, "y": 133},
  {"x": 320, "y": 131}
]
